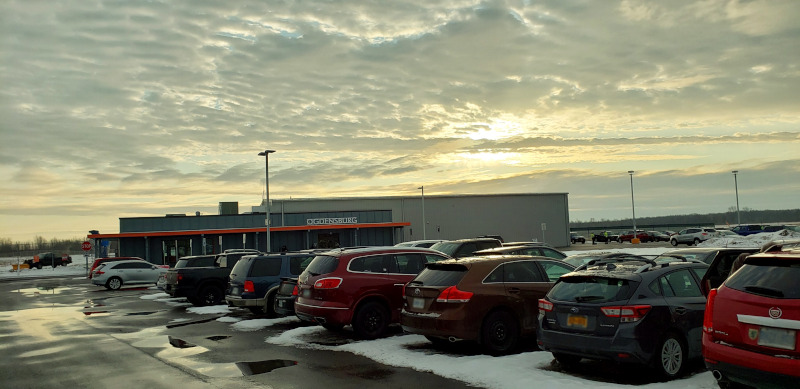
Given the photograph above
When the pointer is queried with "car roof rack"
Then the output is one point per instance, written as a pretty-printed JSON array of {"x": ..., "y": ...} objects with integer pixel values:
[{"x": 613, "y": 260}]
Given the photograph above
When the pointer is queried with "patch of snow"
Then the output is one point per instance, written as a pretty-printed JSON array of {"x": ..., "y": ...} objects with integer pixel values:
[
  {"x": 228, "y": 319},
  {"x": 158, "y": 296},
  {"x": 257, "y": 324},
  {"x": 750, "y": 241},
  {"x": 210, "y": 310}
]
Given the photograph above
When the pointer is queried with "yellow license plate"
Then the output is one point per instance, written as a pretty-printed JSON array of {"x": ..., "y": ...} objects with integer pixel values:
[{"x": 580, "y": 321}]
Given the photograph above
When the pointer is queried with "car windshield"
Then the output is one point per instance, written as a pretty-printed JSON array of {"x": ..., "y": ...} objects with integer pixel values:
[
  {"x": 446, "y": 247},
  {"x": 591, "y": 289},
  {"x": 322, "y": 264},
  {"x": 774, "y": 278}
]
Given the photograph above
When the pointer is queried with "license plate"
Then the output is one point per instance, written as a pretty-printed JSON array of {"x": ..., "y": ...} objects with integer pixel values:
[
  {"x": 580, "y": 321},
  {"x": 281, "y": 303},
  {"x": 306, "y": 293},
  {"x": 417, "y": 303},
  {"x": 776, "y": 337}
]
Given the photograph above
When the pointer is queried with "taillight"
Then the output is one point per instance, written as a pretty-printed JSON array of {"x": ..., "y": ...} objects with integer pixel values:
[
  {"x": 249, "y": 287},
  {"x": 708, "y": 316},
  {"x": 453, "y": 295},
  {"x": 404, "y": 291},
  {"x": 328, "y": 283},
  {"x": 545, "y": 306},
  {"x": 179, "y": 278},
  {"x": 99, "y": 272},
  {"x": 627, "y": 313},
  {"x": 295, "y": 291}
]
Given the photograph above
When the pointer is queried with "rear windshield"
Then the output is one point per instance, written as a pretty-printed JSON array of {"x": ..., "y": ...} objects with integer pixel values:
[
  {"x": 446, "y": 247},
  {"x": 440, "y": 275},
  {"x": 774, "y": 278},
  {"x": 591, "y": 289},
  {"x": 239, "y": 271},
  {"x": 322, "y": 264},
  {"x": 195, "y": 262}
]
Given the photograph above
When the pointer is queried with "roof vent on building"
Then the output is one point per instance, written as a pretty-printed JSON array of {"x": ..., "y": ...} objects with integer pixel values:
[{"x": 229, "y": 208}]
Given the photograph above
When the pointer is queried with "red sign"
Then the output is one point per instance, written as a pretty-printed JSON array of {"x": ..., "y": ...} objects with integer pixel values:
[{"x": 86, "y": 246}]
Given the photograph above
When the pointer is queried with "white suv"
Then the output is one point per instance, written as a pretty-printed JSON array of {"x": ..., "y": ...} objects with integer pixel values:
[{"x": 692, "y": 236}]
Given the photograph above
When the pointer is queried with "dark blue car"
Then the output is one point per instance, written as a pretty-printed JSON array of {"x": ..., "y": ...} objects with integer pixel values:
[{"x": 255, "y": 279}]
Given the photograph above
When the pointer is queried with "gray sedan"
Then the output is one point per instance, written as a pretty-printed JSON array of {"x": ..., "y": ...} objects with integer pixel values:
[{"x": 113, "y": 275}]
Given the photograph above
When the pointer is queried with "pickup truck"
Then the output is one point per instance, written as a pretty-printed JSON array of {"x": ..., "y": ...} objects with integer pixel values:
[
  {"x": 203, "y": 285},
  {"x": 47, "y": 259}
]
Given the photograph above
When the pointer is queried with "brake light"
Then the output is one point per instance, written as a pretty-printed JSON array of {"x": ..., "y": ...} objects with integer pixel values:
[
  {"x": 708, "y": 325},
  {"x": 295, "y": 291},
  {"x": 249, "y": 287},
  {"x": 404, "y": 291},
  {"x": 179, "y": 278},
  {"x": 328, "y": 283},
  {"x": 627, "y": 313},
  {"x": 545, "y": 306},
  {"x": 453, "y": 295},
  {"x": 97, "y": 273}
]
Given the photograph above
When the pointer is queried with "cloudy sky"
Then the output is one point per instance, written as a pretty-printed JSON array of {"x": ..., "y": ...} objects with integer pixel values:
[{"x": 114, "y": 109}]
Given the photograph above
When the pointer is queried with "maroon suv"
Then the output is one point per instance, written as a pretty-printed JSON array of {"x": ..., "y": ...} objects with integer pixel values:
[{"x": 361, "y": 286}]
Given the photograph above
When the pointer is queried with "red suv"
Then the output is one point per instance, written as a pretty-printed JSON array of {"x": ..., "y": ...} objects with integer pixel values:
[
  {"x": 362, "y": 287},
  {"x": 752, "y": 322}
]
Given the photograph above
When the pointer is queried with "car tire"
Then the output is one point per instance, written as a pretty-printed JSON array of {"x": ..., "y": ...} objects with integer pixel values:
[
  {"x": 371, "y": 320},
  {"x": 269, "y": 307},
  {"x": 670, "y": 359},
  {"x": 209, "y": 295},
  {"x": 500, "y": 333},
  {"x": 566, "y": 360},
  {"x": 673, "y": 242},
  {"x": 114, "y": 283},
  {"x": 696, "y": 241}
]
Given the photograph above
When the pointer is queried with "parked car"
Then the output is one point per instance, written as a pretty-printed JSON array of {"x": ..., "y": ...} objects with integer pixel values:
[
  {"x": 360, "y": 287},
  {"x": 628, "y": 236},
  {"x": 99, "y": 261},
  {"x": 773, "y": 228},
  {"x": 692, "y": 236},
  {"x": 584, "y": 258},
  {"x": 253, "y": 282},
  {"x": 113, "y": 275},
  {"x": 536, "y": 250},
  {"x": 285, "y": 296},
  {"x": 204, "y": 285},
  {"x": 627, "y": 311},
  {"x": 748, "y": 229},
  {"x": 575, "y": 237},
  {"x": 419, "y": 243},
  {"x": 752, "y": 323},
  {"x": 658, "y": 236},
  {"x": 465, "y": 247},
  {"x": 606, "y": 236},
  {"x": 490, "y": 300}
]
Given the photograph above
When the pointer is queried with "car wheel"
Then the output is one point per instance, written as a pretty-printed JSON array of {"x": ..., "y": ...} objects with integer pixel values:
[
  {"x": 673, "y": 242},
  {"x": 371, "y": 320},
  {"x": 269, "y": 308},
  {"x": 210, "y": 295},
  {"x": 114, "y": 283},
  {"x": 671, "y": 357},
  {"x": 500, "y": 333},
  {"x": 566, "y": 360},
  {"x": 39, "y": 266},
  {"x": 696, "y": 241}
]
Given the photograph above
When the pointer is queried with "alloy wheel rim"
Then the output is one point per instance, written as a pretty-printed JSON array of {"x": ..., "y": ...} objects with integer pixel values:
[{"x": 671, "y": 356}]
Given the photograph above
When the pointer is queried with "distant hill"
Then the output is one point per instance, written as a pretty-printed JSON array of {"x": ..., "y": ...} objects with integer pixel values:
[{"x": 748, "y": 216}]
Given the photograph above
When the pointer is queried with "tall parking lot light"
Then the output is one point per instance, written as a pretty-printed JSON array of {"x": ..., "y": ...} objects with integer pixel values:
[
  {"x": 422, "y": 188},
  {"x": 736, "y": 187},
  {"x": 266, "y": 154},
  {"x": 633, "y": 208}
]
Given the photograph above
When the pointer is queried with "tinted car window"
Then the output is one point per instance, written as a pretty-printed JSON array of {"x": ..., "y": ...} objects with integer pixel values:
[
  {"x": 682, "y": 284},
  {"x": 430, "y": 258},
  {"x": 554, "y": 270},
  {"x": 270, "y": 266},
  {"x": 466, "y": 249},
  {"x": 298, "y": 264},
  {"x": 409, "y": 263},
  {"x": 142, "y": 265},
  {"x": 438, "y": 275},
  {"x": 372, "y": 264},
  {"x": 322, "y": 264},
  {"x": 775, "y": 278},
  {"x": 550, "y": 253},
  {"x": 122, "y": 266},
  {"x": 523, "y": 271},
  {"x": 592, "y": 289},
  {"x": 445, "y": 247}
]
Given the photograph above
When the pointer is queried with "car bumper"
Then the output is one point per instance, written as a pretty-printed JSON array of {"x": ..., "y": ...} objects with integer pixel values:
[
  {"x": 327, "y": 313},
  {"x": 750, "y": 368},
  {"x": 441, "y": 326},
  {"x": 237, "y": 301},
  {"x": 618, "y": 348},
  {"x": 284, "y": 306}
]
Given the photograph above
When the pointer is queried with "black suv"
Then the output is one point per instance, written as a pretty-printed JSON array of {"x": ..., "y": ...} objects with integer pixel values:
[
  {"x": 254, "y": 280},
  {"x": 465, "y": 247},
  {"x": 626, "y": 310}
]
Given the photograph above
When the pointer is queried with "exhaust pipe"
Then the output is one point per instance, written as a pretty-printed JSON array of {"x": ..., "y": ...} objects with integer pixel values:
[
  {"x": 453, "y": 339},
  {"x": 320, "y": 320},
  {"x": 717, "y": 375}
]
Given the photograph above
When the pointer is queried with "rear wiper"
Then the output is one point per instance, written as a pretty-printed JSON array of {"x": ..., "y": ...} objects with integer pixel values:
[
  {"x": 764, "y": 291},
  {"x": 581, "y": 299}
]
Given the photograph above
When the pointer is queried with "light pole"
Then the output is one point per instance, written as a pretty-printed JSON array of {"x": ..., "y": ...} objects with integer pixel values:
[
  {"x": 736, "y": 186},
  {"x": 633, "y": 207},
  {"x": 422, "y": 188},
  {"x": 266, "y": 154}
]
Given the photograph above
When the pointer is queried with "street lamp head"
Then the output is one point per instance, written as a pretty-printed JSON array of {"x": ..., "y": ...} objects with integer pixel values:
[
  {"x": 630, "y": 171},
  {"x": 735, "y": 171},
  {"x": 265, "y": 152},
  {"x": 421, "y": 187}
]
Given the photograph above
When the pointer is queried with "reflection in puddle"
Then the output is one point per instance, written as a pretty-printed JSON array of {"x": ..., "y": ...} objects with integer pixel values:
[
  {"x": 43, "y": 290},
  {"x": 179, "y": 343},
  {"x": 260, "y": 367},
  {"x": 218, "y": 337},
  {"x": 45, "y": 351}
]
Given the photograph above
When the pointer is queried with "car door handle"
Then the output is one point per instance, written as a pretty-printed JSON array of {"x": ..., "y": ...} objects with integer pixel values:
[
  {"x": 680, "y": 310},
  {"x": 513, "y": 290}
]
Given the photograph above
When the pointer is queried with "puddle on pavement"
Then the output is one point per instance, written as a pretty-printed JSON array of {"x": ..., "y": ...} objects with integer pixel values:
[
  {"x": 261, "y": 367},
  {"x": 179, "y": 343},
  {"x": 43, "y": 290},
  {"x": 217, "y": 338}
]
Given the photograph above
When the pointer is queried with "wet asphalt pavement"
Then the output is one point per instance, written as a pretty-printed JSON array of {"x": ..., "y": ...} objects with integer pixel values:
[{"x": 65, "y": 333}]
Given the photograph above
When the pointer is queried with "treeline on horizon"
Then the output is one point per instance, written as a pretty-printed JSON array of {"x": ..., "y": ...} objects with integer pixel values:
[
  {"x": 748, "y": 216},
  {"x": 40, "y": 245}
]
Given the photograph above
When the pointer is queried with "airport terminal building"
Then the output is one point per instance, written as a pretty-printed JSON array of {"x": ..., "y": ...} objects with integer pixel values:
[{"x": 297, "y": 224}]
